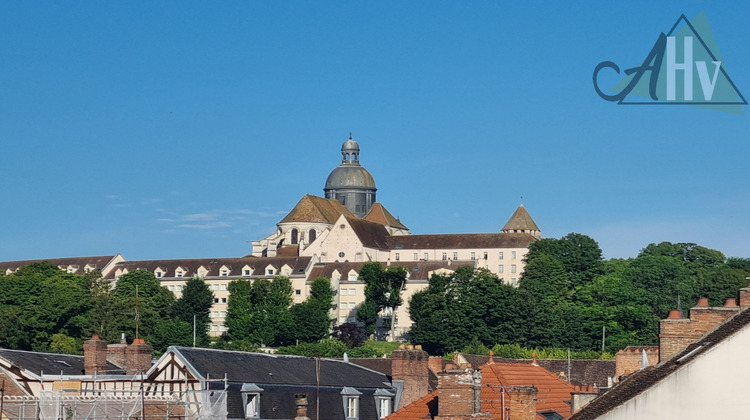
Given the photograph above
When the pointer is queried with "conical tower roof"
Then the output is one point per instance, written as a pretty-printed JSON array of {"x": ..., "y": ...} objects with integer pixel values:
[
  {"x": 521, "y": 222},
  {"x": 379, "y": 214}
]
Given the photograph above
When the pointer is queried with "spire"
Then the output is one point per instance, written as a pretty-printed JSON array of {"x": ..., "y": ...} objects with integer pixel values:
[{"x": 521, "y": 222}]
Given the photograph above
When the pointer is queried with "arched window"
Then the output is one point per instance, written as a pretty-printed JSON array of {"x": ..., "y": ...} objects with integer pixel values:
[
  {"x": 311, "y": 235},
  {"x": 294, "y": 236}
]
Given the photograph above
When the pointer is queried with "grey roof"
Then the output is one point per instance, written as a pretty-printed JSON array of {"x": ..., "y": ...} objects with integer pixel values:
[
  {"x": 262, "y": 368},
  {"x": 418, "y": 270},
  {"x": 281, "y": 377},
  {"x": 50, "y": 363}
]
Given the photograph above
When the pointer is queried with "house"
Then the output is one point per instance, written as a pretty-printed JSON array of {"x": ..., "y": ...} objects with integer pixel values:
[
  {"x": 74, "y": 265},
  {"x": 701, "y": 373},
  {"x": 517, "y": 391}
]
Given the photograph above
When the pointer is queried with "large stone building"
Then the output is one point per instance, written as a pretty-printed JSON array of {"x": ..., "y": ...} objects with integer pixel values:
[{"x": 334, "y": 236}]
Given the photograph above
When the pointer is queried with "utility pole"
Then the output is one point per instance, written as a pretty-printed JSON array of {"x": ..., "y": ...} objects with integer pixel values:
[
  {"x": 604, "y": 335},
  {"x": 193, "y": 330}
]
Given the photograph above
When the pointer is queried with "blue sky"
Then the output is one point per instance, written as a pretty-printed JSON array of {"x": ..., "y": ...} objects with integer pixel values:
[{"x": 186, "y": 129}]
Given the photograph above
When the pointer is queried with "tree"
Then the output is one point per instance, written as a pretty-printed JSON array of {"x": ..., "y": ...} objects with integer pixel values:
[
  {"x": 196, "y": 300},
  {"x": 382, "y": 287},
  {"x": 155, "y": 305},
  {"x": 350, "y": 334},
  {"x": 258, "y": 312},
  {"x": 312, "y": 319}
]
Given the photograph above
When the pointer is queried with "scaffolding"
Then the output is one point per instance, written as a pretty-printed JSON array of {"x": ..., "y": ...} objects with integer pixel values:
[{"x": 120, "y": 404}]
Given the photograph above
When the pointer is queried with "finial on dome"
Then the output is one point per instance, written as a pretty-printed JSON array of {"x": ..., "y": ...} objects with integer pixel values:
[{"x": 350, "y": 135}]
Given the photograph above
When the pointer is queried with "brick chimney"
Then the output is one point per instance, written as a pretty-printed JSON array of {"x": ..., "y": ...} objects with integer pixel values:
[
  {"x": 521, "y": 404},
  {"x": 94, "y": 356},
  {"x": 630, "y": 359},
  {"x": 138, "y": 357},
  {"x": 745, "y": 297},
  {"x": 411, "y": 365},
  {"x": 116, "y": 352},
  {"x": 676, "y": 333},
  {"x": 301, "y": 402},
  {"x": 456, "y": 396}
]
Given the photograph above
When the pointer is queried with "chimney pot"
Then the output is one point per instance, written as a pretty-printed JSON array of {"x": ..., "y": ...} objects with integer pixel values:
[
  {"x": 730, "y": 303},
  {"x": 674, "y": 314},
  {"x": 702, "y": 302}
]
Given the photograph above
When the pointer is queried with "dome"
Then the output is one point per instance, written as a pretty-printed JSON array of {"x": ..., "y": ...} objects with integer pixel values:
[
  {"x": 350, "y": 177},
  {"x": 350, "y": 145}
]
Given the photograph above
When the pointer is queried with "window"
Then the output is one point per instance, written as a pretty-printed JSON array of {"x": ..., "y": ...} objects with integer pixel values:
[
  {"x": 223, "y": 286},
  {"x": 445, "y": 255},
  {"x": 512, "y": 268},
  {"x": 297, "y": 292},
  {"x": 224, "y": 273},
  {"x": 342, "y": 319},
  {"x": 216, "y": 300},
  {"x": 500, "y": 256},
  {"x": 158, "y": 274},
  {"x": 384, "y": 407},
  {"x": 179, "y": 274},
  {"x": 352, "y": 292},
  {"x": 246, "y": 272},
  {"x": 455, "y": 255},
  {"x": 398, "y": 257},
  {"x": 485, "y": 255},
  {"x": 352, "y": 276},
  {"x": 270, "y": 272},
  {"x": 351, "y": 407},
  {"x": 416, "y": 256},
  {"x": 426, "y": 256},
  {"x": 473, "y": 257},
  {"x": 514, "y": 282},
  {"x": 294, "y": 236},
  {"x": 513, "y": 254},
  {"x": 223, "y": 300},
  {"x": 351, "y": 402},
  {"x": 501, "y": 269},
  {"x": 251, "y": 400},
  {"x": 311, "y": 235},
  {"x": 223, "y": 314}
]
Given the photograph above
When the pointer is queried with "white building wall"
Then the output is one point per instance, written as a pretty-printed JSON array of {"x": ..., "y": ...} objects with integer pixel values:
[{"x": 713, "y": 386}]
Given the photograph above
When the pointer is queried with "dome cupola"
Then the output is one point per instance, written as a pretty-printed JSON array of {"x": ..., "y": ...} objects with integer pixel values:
[{"x": 350, "y": 183}]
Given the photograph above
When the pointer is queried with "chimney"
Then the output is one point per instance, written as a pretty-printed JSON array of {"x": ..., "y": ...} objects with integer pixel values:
[
  {"x": 116, "y": 352},
  {"x": 411, "y": 366},
  {"x": 629, "y": 359},
  {"x": 745, "y": 296},
  {"x": 455, "y": 393},
  {"x": 94, "y": 356},
  {"x": 301, "y": 402},
  {"x": 581, "y": 396},
  {"x": 138, "y": 357},
  {"x": 677, "y": 333}
]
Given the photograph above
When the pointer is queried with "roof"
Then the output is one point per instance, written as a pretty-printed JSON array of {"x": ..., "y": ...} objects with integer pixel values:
[
  {"x": 520, "y": 220},
  {"x": 372, "y": 235},
  {"x": 418, "y": 270},
  {"x": 78, "y": 264},
  {"x": 640, "y": 381},
  {"x": 50, "y": 363},
  {"x": 552, "y": 392},
  {"x": 423, "y": 408},
  {"x": 462, "y": 241},
  {"x": 281, "y": 377},
  {"x": 379, "y": 214},
  {"x": 262, "y": 368},
  {"x": 582, "y": 371},
  {"x": 314, "y": 209},
  {"x": 213, "y": 265}
]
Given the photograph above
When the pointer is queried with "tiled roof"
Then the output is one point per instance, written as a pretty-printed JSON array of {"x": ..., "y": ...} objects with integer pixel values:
[
  {"x": 316, "y": 209},
  {"x": 98, "y": 262},
  {"x": 461, "y": 241},
  {"x": 520, "y": 220},
  {"x": 582, "y": 371},
  {"x": 418, "y": 270},
  {"x": 423, "y": 408},
  {"x": 640, "y": 381},
  {"x": 50, "y": 363},
  {"x": 372, "y": 235},
  {"x": 552, "y": 392},
  {"x": 379, "y": 214},
  {"x": 213, "y": 265}
]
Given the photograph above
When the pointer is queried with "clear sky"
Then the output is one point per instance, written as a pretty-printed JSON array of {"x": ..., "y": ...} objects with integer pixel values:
[{"x": 181, "y": 129}]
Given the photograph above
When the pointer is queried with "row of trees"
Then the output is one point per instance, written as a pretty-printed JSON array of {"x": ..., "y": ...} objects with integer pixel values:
[
  {"x": 43, "y": 308},
  {"x": 569, "y": 297}
]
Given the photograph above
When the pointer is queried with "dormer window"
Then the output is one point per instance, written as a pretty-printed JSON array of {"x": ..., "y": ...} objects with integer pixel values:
[
  {"x": 351, "y": 402},
  {"x": 251, "y": 400},
  {"x": 384, "y": 402},
  {"x": 158, "y": 274}
]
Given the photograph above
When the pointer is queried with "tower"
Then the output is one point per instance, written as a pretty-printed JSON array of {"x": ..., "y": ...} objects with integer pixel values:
[{"x": 350, "y": 183}]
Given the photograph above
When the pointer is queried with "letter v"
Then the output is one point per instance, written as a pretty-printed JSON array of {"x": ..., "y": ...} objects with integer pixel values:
[{"x": 707, "y": 84}]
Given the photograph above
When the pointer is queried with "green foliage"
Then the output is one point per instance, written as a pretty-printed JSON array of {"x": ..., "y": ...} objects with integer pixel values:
[
  {"x": 311, "y": 320},
  {"x": 329, "y": 347},
  {"x": 515, "y": 351},
  {"x": 364, "y": 351},
  {"x": 61, "y": 343},
  {"x": 258, "y": 312},
  {"x": 367, "y": 313},
  {"x": 476, "y": 347},
  {"x": 197, "y": 299},
  {"x": 155, "y": 306},
  {"x": 382, "y": 347}
]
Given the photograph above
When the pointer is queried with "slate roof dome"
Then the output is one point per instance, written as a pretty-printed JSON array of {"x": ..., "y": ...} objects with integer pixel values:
[{"x": 350, "y": 182}]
